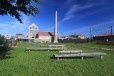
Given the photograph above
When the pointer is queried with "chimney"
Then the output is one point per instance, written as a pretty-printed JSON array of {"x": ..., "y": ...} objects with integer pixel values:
[{"x": 55, "y": 29}]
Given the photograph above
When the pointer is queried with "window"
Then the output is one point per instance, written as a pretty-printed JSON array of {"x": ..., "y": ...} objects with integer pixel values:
[
  {"x": 37, "y": 36},
  {"x": 30, "y": 27}
]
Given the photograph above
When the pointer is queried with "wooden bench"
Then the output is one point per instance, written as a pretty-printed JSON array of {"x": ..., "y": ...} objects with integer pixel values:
[
  {"x": 81, "y": 55},
  {"x": 36, "y": 49},
  {"x": 50, "y": 47},
  {"x": 57, "y": 46},
  {"x": 70, "y": 52},
  {"x": 108, "y": 49}
]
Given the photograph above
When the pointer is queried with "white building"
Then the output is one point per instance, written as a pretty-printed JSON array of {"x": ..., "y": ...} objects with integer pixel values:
[
  {"x": 20, "y": 36},
  {"x": 7, "y": 36},
  {"x": 33, "y": 28},
  {"x": 44, "y": 37},
  {"x": 82, "y": 37},
  {"x": 39, "y": 36}
]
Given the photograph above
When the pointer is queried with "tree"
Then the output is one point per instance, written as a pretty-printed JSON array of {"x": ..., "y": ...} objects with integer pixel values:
[
  {"x": 4, "y": 46},
  {"x": 15, "y": 7}
]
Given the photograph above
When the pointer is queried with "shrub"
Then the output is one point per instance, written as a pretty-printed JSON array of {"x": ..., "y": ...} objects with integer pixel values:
[{"x": 4, "y": 46}]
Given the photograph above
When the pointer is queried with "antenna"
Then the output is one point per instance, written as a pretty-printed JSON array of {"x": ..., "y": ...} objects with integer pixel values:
[{"x": 110, "y": 30}]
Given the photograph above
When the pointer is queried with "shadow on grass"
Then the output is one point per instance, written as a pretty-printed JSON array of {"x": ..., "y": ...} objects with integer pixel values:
[
  {"x": 78, "y": 58},
  {"x": 42, "y": 50},
  {"x": 6, "y": 57}
]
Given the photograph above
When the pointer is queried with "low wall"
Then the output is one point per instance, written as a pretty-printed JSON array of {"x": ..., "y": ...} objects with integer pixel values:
[{"x": 74, "y": 40}]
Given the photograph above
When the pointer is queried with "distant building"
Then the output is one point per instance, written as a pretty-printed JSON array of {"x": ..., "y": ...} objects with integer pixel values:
[
  {"x": 46, "y": 37},
  {"x": 7, "y": 36},
  {"x": 75, "y": 37},
  {"x": 104, "y": 39},
  {"x": 33, "y": 28},
  {"x": 82, "y": 37},
  {"x": 35, "y": 35},
  {"x": 20, "y": 36}
]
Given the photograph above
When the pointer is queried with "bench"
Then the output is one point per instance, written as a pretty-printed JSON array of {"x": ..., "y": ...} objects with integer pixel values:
[
  {"x": 70, "y": 52},
  {"x": 36, "y": 49},
  {"x": 81, "y": 55},
  {"x": 49, "y": 47},
  {"x": 108, "y": 49},
  {"x": 57, "y": 46}
]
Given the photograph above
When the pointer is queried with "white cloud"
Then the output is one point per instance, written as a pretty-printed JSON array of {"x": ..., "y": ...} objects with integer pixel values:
[
  {"x": 75, "y": 8},
  {"x": 12, "y": 27},
  {"x": 71, "y": 13}
]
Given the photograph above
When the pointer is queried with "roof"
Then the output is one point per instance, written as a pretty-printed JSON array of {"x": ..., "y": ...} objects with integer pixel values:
[
  {"x": 42, "y": 33},
  {"x": 19, "y": 34},
  {"x": 33, "y": 24},
  {"x": 105, "y": 36}
]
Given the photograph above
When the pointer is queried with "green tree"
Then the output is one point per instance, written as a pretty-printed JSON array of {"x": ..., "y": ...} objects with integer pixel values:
[
  {"x": 15, "y": 7},
  {"x": 4, "y": 46}
]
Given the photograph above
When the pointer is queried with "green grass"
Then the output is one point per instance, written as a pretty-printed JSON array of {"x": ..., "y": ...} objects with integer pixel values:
[{"x": 38, "y": 63}]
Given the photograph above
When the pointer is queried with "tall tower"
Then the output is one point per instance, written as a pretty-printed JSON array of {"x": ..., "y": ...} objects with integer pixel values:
[
  {"x": 33, "y": 28},
  {"x": 55, "y": 29}
]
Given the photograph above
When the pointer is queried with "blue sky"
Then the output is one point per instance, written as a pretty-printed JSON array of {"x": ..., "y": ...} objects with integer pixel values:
[{"x": 74, "y": 16}]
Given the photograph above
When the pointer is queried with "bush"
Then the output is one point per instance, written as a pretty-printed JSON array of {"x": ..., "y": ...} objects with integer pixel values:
[{"x": 4, "y": 46}]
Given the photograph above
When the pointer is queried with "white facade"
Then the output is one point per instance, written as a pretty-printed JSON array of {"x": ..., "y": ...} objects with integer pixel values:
[
  {"x": 20, "y": 36},
  {"x": 7, "y": 36},
  {"x": 43, "y": 39},
  {"x": 42, "y": 36},
  {"x": 81, "y": 37},
  {"x": 33, "y": 28},
  {"x": 39, "y": 36}
]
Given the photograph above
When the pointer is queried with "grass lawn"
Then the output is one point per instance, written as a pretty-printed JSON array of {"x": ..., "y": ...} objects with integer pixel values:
[{"x": 38, "y": 63}]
